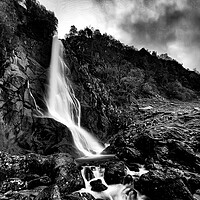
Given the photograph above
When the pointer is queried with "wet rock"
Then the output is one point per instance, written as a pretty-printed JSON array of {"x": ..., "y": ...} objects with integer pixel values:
[
  {"x": 98, "y": 186},
  {"x": 38, "y": 164},
  {"x": 88, "y": 174},
  {"x": 144, "y": 143},
  {"x": 49, "y": 193},
  {"x": 67, "y": 176},
  {"x": 193, "y": 181},
  {"x": 182, "y": 153},
  {"x": 39, "y": 170},
  {"x": 119, "y": 141},
  {"x": 42, "y": 181},
  {"x": 162, "y": 152},
  {"x": 163, "y": 185},
  {"x": 128, "y": 179},
  {"x": 13, "y": 184},
  {"x": 12, "y": 166},
  {"x": 14, "y": 195},
  {"x": 129, "y": 155},
  {"x": 114, "y": 172}
]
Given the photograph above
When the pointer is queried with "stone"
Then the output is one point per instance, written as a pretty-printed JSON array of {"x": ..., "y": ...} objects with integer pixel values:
[
  {"x": 163, "y": 185},
  {"x": 114, "y": 172},
  {"x": 98, "y": 186},
  {"x": 67, "y": 175}
]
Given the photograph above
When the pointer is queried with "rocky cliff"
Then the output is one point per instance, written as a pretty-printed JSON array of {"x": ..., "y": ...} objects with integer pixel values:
[
  {"x": 24, "y": 57},
  {"x": 109, "y": 78},
  {"x": 130, "y": 99}
]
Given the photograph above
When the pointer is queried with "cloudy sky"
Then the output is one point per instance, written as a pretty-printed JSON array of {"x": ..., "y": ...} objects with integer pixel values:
[{"x": 166, "y": 26}]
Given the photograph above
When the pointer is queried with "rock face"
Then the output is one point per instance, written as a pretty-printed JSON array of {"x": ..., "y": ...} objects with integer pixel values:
[
  {"x": 167, "y": 144},
  {"x": 24, "y": 79},
  {"x": 166, "y": 150},
  {"x": 55, "y": 175},
  {"x": 163, "y": 185},
  {"x": 24, "y": 83}
]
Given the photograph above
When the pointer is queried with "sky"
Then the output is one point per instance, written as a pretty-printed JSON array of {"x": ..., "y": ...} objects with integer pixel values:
[{"x": 165, "y": 26}]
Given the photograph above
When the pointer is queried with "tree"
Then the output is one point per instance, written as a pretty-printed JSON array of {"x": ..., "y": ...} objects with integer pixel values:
[
  {"x": 97, "y": 34},
  {"x": 82, "y": 33},
  {"x": 89, "y": 32},
  {"x": 73, "y": 31},
  {"x": 41, "y": 24}
]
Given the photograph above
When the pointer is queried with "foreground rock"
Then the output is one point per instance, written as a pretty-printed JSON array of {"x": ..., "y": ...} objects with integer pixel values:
[
  {"x": 36, "y": 175},
  {"x": 163, "y": 185},
  {"x": 166, "y": 143}
]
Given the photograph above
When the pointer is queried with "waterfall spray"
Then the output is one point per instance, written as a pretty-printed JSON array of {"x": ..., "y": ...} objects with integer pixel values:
[{"x": 62, "y": 104}]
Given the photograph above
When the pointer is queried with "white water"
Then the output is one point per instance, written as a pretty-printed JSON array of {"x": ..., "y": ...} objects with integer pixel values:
[
  {"x": 62, "y": 104},
  {"x": 115, "y": 191}
]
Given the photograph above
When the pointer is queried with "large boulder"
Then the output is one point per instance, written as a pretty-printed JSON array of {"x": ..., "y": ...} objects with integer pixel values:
[{"x": 163, "y": 185}]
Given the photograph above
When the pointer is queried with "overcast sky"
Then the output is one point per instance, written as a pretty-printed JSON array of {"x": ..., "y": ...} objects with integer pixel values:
[{"x": 166, "y": 26}]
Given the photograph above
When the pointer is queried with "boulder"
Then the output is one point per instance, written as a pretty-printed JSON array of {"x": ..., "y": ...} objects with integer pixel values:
[{"x": 165, "y": 185}]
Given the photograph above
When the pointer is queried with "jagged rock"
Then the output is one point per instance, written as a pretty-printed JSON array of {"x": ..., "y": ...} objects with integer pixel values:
[
  {"x": 128, "y": 179},
  {"x": 49, "y": 137},
  {"x": 144, "y": 143},
  {"x": 12, "y": 166},
  {"x": 88, "y": 174},
  {"x": 193, "y": 181},
  {"x": 119, "y": 141},
  {"x": 182, "y": 153},
  {"x": 67, "y": 176},
  {"x": 42, "y": 181},
  {"x": 129, "y": 155},
  {"x": 125, "y": 152},
  {"x": 38, "y": 164},
  {"x": 163, "y": 185},
  {"x": 33, "y": 170},
  {"x": 13, "y": 184},
  {"x": 114, "y": 172},
  {"x": 50, "y": 193},
  {"x": 97, "y": 186}
]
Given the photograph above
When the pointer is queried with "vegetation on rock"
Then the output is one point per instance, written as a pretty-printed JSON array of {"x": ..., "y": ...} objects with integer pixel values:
[{"x": 126, "y": 97}]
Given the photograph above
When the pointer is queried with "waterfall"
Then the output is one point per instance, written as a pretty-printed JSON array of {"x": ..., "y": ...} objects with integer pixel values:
[{"x": 62, "y": 104}]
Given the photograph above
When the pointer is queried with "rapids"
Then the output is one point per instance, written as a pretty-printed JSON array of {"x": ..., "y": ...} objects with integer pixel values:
[{"x": 123, "y": 191}]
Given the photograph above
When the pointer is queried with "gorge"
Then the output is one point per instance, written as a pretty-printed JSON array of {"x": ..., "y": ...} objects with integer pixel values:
[{"x": 144, "y": 108}]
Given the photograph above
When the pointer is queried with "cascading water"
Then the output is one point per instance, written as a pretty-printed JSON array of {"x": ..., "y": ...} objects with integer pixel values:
[
  {"x": 64, "y": 107},
  {"x": 62, "y": 104},
  {"x": 125, "y": 191}
]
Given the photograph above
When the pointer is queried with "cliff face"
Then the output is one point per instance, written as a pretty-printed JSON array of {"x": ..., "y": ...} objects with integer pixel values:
[
  {"x": 24, "y": 58},
  {"x": 107, "y": 76},
  {"x": 110, "y": 80}
]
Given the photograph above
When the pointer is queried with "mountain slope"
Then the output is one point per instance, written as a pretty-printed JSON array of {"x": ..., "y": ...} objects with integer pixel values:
[{"x": 128, "y": 72}]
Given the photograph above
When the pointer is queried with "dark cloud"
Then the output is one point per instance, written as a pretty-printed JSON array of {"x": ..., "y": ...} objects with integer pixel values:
[
  {"x": 156, "y": 31},
  {"x": 171, "y": 26}
]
